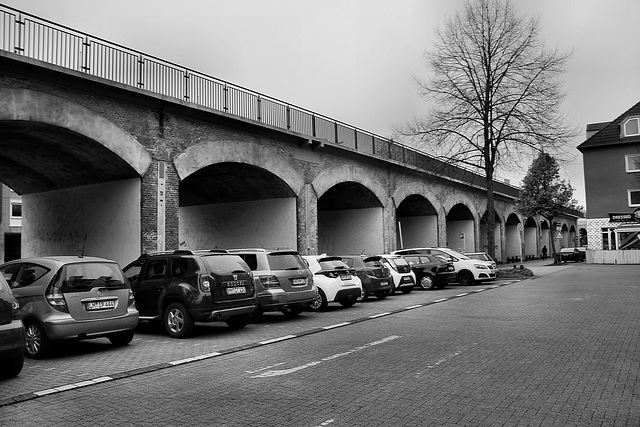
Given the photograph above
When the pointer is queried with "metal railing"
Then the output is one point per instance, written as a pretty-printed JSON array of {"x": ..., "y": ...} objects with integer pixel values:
[{"x": 39, "y": 39}]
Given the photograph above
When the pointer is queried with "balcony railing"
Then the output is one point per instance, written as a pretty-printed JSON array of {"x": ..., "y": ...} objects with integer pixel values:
[{"x": 39, "y": 39}]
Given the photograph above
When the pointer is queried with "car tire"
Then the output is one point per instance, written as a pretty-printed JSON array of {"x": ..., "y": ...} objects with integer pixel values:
[
  {"x": 12, "y": 367},
  {"x": 406, "y": 290},
  {"x": 365, "y": 294},
  {"x": 38, "y": 345},
  {"x": 319, "y": 303},
  {"x": 121, "y": 338},
  {"x": 348, "y": 302},
  {"x": 465, "y": 278},
  {"x": 427, "y": 282},
  {"x": 292, "y": 311},
  {"x": 177, "y": 321},
  {"x": 239, "y": 321}
]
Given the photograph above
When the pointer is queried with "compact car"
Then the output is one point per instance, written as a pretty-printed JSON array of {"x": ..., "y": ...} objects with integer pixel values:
[
  {"x": 431, "y": 271},
  {"x": 375, "y": 277},
  {"x": 334, "y": 281},
  {"x": 71, "y": 298},
  {"x": 403, "y": 278}
]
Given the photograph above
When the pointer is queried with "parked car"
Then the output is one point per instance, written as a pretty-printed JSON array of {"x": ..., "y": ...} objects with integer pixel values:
[
  {"x": 570, "y": 254},
  {"x": 71, "y": 298},
  {"x": 583, "y": 253},
  {"x": 375, "y": 277},
  {"x": 482, "y": 256},
  {"x": 283, "y": 281},
  {"x": 334, "y": 281},
  {"x": 431, "y": 272},
  {"x": 403, "y": 278},
  {"x": 468, "y": 270},
  {"x": 11, "y": 333},
  {"x": 182, "y": 287}
]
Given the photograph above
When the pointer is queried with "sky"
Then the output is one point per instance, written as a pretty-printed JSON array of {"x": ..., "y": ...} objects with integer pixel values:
[{"x": 356, "y": 60}]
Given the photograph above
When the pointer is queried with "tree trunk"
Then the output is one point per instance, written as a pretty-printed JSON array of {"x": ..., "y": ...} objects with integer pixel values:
[
  {"x": 491, "y": 218},
  {"x": 552, "y": 240}
]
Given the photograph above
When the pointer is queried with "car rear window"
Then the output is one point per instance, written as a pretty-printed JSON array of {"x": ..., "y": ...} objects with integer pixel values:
[
  {"x": 332, "y": 264},
  {"x": 87, "y": 275},
  {"x": 225, "y": 264},
  {"x": 286, "y": 262}
]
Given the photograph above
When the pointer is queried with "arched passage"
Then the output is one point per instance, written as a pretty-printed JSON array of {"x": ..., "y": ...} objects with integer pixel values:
[
  {"x": 460, "y": 228},
  {"x": 513, "y": 242},
  {"x": 484, "y": 227},
  {"x": 236, "y": 194},
  {"x": 530, "y": 238},
  {"x": 416, "y": 223},
  {"x": 78, "y": 174},
  {"x": 545, "y": 235}
]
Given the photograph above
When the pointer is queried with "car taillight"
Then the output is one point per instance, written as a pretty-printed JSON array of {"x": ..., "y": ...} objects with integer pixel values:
[
  {"x": 15, "y": 310},
  {"x": 269, "y": 281},
  {"x": 55, "y": 299},
  {"x": 206, "y": 282},
  {"x": 131, "y": 298}
]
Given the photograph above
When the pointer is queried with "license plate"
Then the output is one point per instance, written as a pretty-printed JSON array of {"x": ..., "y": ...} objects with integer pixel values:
[
  {"x": 100, "y": 305},
  {"x": 236, "y": 290},
  {"x": 385, "y": 283},
  {"x": 345, "y": 276},
  {"x": 299, "y": 282}
]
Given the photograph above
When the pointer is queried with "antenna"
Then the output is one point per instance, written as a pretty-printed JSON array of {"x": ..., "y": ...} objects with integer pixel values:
[{"x": 83, "y": 245}]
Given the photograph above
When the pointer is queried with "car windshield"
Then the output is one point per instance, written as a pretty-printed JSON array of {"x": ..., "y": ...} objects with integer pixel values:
[
  {"x": 86, "y": 275},
  {"x": 456, "y": 254},
  {"x": 286, "y": 262}
]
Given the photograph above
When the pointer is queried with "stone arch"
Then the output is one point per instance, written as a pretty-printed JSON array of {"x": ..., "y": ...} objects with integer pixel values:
[
  {"x": 32, "y": 106},
  {"x": 346, "y": 173},
  {"x": 207, "y": 153},
  {"x": 419, "y": 188},
  {"x": 422, "y": 230}
]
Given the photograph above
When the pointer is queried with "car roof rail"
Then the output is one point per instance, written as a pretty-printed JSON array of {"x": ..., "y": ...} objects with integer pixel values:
[{"x": 212, "y": 251}]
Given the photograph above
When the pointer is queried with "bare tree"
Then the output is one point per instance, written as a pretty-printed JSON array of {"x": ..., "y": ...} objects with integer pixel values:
[{"x": 495, "y": 95}]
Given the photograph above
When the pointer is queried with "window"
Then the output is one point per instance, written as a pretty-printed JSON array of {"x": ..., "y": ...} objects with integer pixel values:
[
  {"x": 631, "y": 126},
  {"x": 634, "y": 197},
  {"x": 632, "y": 162},
  {"x": 16, "y": 214},
  {"x": 608, "y": 239}
]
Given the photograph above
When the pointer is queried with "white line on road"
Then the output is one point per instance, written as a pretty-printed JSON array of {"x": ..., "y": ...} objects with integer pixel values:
[
  {"x": 337, "y": 325},
  {"x": 280, "y": 372},
  {"x": 286, "y": 337}
]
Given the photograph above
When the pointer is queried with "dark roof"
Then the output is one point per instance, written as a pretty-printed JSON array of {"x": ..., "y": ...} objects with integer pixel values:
[{"x": 609, "y": 134}]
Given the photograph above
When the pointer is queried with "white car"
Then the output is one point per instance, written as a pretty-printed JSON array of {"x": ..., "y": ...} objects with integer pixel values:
[
  {"x": 334, "y": 280},
  {"x": 468, "y": 270},
  {"x": 403, "y": 278}
]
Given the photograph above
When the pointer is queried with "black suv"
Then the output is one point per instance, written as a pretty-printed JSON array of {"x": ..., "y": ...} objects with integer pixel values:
[{"x": 182, "y": 287}]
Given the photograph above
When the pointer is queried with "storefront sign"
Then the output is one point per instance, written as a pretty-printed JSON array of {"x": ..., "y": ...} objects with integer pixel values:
[{"x": 620, "y": 217}]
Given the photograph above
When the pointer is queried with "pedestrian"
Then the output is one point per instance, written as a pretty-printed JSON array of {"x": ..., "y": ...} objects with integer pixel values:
[{"x": 544, "y": 252}]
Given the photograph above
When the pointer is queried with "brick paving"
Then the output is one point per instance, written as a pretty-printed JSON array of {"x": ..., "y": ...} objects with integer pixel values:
[{"x": 561, "y": 349}]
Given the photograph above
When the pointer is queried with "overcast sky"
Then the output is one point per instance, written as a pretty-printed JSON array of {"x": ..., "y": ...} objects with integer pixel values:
[{"x": 354, "y": 60}]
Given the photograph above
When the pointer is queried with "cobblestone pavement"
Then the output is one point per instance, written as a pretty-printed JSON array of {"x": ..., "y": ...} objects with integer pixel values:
[{"x": 561, "y": 349}]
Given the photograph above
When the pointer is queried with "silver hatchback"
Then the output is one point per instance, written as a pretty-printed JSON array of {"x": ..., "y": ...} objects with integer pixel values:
[{"x": 71, "y": 298}]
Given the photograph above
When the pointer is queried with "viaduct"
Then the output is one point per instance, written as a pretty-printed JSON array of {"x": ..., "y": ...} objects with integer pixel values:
[{"x": 116, "y": 153}]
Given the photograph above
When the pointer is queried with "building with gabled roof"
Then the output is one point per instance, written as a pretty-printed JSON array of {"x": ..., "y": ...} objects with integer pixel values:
[{"x": 611, "y": 159}]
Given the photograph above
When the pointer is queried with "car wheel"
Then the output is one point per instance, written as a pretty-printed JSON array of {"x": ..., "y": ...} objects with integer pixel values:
[
  {"x": 177, "y": 321},
  {"x": 348, "y": 302},
  {"x": 292, "y": 311},
  {"x": 319, "y": 302},
  {"x": 122, "y": 338},
  {"x": 12, "y": 367},
  {"x": 238, "y": 322},
  {"x": 426, "y": 282},
  {"x": 382, "y": 295},
  {"x": 365, "y": 294},
  {"x": 406, "y": 290},
  {"x": 465, "y": 278},
  {"x": 38, "y": 344}
]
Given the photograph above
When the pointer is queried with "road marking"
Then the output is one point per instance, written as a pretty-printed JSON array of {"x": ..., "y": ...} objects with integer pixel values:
[
  {"x": 441, "y": 300},
  {"x": 265, "y": 368},
  {"x": 337, "y": 325},
  {"x": 280, "y": 372},
  {"x": 195, "y": 358},
  {"x": 286, "y": 337},
  {"x": 379, "y": 315},
  {"x": 463, "y": 295},
  {"x": 414, "y": 306}
]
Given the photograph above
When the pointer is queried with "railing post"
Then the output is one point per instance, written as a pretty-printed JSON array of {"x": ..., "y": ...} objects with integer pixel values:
[
  {"x": 355, "y": 138},
  {"x": 335, "y": 131},
  {"x": 186, "y": 85},
  {"x": 140, "y": 72},
  {"x": 226, "y": 92},
  {"x": 259, "y": 108},
  {"x": 19, "y": 47},
  {"x": 313, "y": 125},
  {"x": 288, "y": 117},
  {"x": 85, "y": 56}
]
